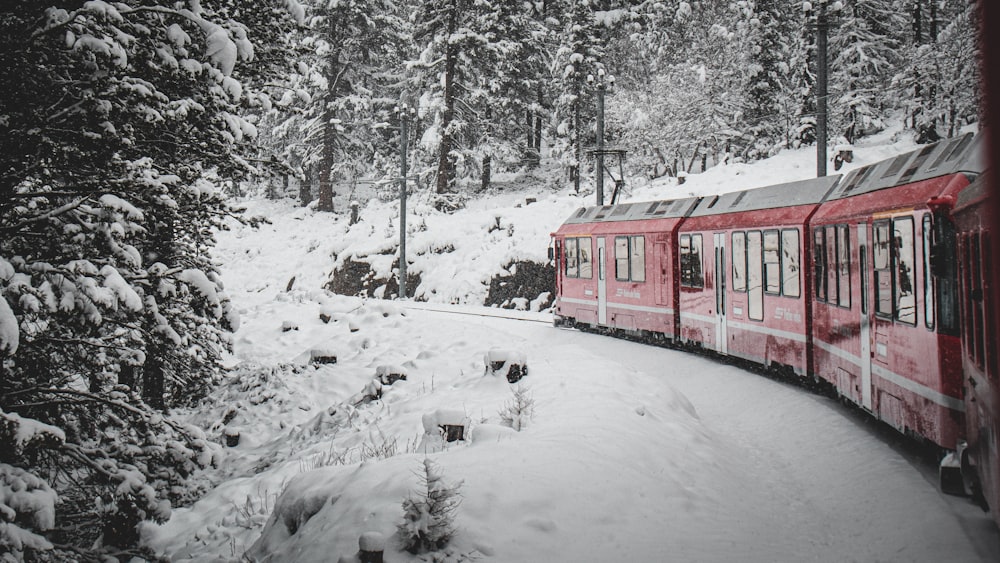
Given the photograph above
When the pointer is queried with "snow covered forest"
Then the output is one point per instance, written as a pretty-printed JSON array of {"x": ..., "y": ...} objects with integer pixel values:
[{"x": 128, "y": 129}]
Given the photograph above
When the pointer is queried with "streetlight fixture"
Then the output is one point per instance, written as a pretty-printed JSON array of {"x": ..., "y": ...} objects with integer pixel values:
[
  {"x": 603, "y": 84},
  {"x": 405, "y": 114}
]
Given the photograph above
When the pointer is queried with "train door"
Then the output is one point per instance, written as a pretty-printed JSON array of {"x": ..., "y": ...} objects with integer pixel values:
[
  {"x": 663, "y": 267},
  {"x": 866, "y": 327},
  {"x": 721, "y": 339},
  {"x": 602, "y": 283}
]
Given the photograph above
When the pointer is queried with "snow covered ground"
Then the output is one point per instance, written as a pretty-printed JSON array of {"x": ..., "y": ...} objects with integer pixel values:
[{"x": 633, "y": 453}]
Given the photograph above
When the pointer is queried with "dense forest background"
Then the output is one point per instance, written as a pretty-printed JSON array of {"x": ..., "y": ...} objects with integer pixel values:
[{"x": 124, "y": 126}]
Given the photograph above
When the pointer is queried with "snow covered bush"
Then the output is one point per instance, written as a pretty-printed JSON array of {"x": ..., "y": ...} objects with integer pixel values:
[{"x": 428, "y": 520}]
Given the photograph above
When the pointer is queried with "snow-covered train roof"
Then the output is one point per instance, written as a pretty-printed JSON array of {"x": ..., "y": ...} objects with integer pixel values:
[
  {"x": 790, "y": 194},
  {"x": 663, "y": 209},
  {"x": 965, "y": 153}
]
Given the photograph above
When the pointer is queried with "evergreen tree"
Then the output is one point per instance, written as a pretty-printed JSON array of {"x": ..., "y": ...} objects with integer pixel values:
[
  {"x": 443, "y": 40},
  {"x": 579, "y": 55},
  {"x": 767, "y": 27},
  {"x": 116, "y": 124},
  {"x": 506, "y": 70},
  {"x": 864, "y": 56},
  {"x": 939, "y": 84}
]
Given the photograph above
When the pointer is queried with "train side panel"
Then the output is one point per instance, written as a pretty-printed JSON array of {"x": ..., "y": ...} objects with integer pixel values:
[
  {"x": 975, "y": 218},
  {"x": 616, "y": 267},
  {"x": 882, "y": 333},
  {"x": 742, "y": 276}
]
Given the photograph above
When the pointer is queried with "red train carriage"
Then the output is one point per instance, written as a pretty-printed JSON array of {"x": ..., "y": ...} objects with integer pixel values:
[
  {"x": 884, "y": 317},
  {"x": 742, "y": 280},
  {"x": 614, "y": 267},
  {"x": 974, "y": 216}
]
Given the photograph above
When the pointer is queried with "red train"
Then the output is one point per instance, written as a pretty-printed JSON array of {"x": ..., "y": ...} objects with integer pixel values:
[{"x": 871, "y": 283}]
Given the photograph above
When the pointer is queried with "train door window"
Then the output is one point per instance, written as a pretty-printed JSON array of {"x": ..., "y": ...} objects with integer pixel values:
[
  {"x": 572, "y": 258},
  {"x": 772, "y": 262},
  {"x": 690, "y": 259},
  {"x": 739, "y": 261},
  {"x": 903, "y": 292},
  {"x": 882, "y": 266},
  {"x": 927, "y": 231},
  {"x": 621, "y": 258},
  {"x": 586, "y": 263},
  {"x": 844, "y": 266},
  {"x": 755, "y": 276},
  {"x": 790, "y": 263},
  {"x": 819, "y": 263},
  {"x": 637, "y": 259},
  {"x": 832, "y": 272}
]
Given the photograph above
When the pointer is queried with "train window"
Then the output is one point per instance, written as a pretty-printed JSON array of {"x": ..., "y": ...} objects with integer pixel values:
[
  {"x": 896, "y": 166},
  {"x": 960, "y": 146},
  {"x": 637, "y": 259},
  {"x": 882, "y": 264},
  {"x": 917, "y": 163},
  {"x": 844, "y": 266},
  {"x": 630, "y": 259},
  {"x": 790, "y": 262},
  {"x": 572, "y": 258},
  {"x": 621, "y": 258},
  {"x": 978, "y": 329},
  {"x": 739, "y": 261},
  {"x": 991, "y": 352},
  {"x": 578, "y": 258},
  {"x": 965, "y": 278},
  {"x": 905, "y": 298},
  {"x": 755, "y": 277},
  {"x": 586, "y": 264},
  {"x": 832, "y": 272},
  {"x": 772, "y": 262},
  {"x": 927, "y": 229},
  {"x": 690, "y": 258},
  {"x": 819, "y": 263}
]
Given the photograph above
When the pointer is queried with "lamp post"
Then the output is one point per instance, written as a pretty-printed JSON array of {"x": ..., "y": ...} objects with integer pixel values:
[
  {"x": 405, "y": 114},
  {"x": 602, "y": 85}
]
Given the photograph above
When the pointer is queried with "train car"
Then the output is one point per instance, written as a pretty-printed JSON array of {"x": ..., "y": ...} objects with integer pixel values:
[
  {"x": 614, "y": 267},
  {"x": 743, "y": 283},
  {"x": 885, "y": 323},
  {"x": 974, "y": 217}
]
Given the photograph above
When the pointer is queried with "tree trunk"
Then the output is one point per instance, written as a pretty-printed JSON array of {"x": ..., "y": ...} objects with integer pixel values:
[
  {"x": 529, "y": 153},
  {"x": 305, "y": 187},
  {"x": 325, "y": 164},
  {"x": 446, "y": 162},
  {"x": 487, "y": 172},
  {"x": 153, "y": 377}
]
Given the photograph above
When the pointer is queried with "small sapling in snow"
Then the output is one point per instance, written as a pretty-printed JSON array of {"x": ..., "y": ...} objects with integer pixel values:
[
  {"x": 518, "y": 411},
  {"x": 429, "y": 519}
]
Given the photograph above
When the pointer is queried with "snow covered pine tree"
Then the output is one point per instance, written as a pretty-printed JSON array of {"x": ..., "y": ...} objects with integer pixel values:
[{"x": 114, "y": 120}]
